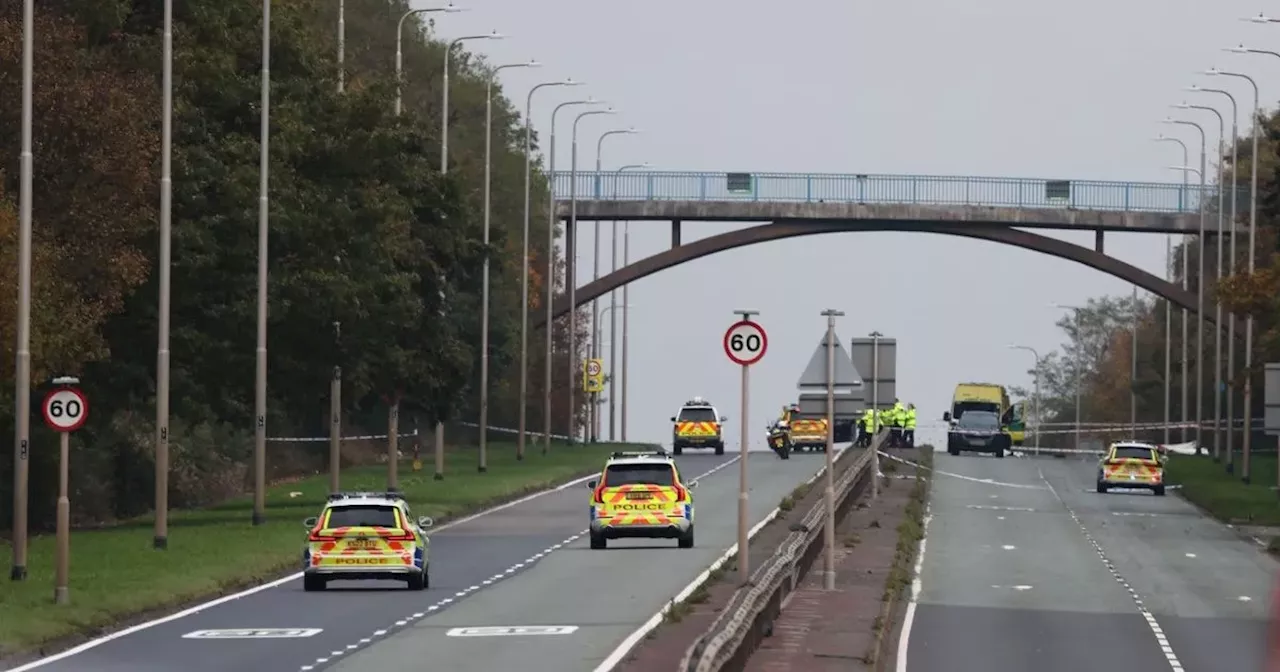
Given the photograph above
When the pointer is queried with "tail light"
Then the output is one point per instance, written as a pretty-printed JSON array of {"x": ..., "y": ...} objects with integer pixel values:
[
  {"x": 597, "y": 495},
  {"x": 681, "y": 493},
  {"x": 401, "y": 535},
  {"x": 316, "y": 536}
]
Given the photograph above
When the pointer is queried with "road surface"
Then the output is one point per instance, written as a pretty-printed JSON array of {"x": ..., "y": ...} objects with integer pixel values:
[
  {"x": 1034, "y": 570},
  {"x": 608, "y": 594}
]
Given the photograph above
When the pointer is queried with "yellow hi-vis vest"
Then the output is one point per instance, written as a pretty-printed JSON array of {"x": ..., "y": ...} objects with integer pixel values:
[{"x": 911, "y": 418}]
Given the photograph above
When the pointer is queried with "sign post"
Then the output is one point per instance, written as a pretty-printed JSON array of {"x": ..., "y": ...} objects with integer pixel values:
[
  {"x": 829, "y": 489},
  {"x": 65, "y": 410},
  {"x": 745, "y": 343}
]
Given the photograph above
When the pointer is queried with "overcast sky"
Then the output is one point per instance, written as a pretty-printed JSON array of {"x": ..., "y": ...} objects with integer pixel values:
[{"x": 946, "y": 87}]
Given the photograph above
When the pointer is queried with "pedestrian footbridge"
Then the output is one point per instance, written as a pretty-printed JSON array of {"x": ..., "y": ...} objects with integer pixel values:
[{"x": 999, "y": 209}]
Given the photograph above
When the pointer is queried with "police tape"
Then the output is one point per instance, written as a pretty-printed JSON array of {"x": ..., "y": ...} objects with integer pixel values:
[{"x": 378, "y": 437}]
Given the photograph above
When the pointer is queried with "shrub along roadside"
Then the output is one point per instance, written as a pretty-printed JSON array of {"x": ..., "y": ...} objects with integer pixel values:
[
  {"x": 901, "y": 572},
  {"x": 115, "y": 574}
]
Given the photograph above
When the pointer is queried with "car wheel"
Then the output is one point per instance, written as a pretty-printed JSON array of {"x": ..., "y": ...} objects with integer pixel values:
[
  {"x": 1102, "y": 487},
  {"x": 952, "y": 450},
  {"x": 418, "y": 581},
  {"x": 686, "y": 539},
  {"x": 312, "y": 583},
  {"x": 598, "y": 541},
  {"x": 1000, "y": 451},
  {"x": 677, "y": 449},
  {"x": 720, "y": 448},
  {"x": 1159, "y": 491}
]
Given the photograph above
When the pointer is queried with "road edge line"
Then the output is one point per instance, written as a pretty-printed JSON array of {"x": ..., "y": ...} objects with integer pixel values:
[
  {"x": 618, "y": 654},
  {"x": 917, "y": 586},
  {"x": 197, "y": 608}
]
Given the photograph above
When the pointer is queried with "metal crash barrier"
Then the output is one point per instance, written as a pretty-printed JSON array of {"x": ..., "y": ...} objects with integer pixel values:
[{"x": 748, "y": 618}]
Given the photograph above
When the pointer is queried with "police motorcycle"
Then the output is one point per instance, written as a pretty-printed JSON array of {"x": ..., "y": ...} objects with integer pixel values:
[{"x": 779, "y": 439}]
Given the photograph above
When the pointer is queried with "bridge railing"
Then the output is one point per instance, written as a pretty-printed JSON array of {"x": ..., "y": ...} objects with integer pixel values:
[{"x": 1011, "y": 192}]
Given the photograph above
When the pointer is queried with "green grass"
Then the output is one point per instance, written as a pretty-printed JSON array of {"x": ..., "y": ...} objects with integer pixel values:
[
  {"x": 116, "y": 574},
  {"x": 1208, "y": 485}
]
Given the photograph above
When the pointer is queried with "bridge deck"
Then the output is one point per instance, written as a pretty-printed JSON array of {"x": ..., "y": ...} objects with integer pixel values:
[{"x": 1029, "y": 203}]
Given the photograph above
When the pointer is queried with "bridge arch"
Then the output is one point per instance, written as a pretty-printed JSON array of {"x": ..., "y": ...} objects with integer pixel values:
[{"x": 783, "y": 229}]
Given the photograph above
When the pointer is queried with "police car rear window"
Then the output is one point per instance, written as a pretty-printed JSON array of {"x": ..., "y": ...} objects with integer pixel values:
[
  {"x": 638, "y": 474},
  {"x": 1134, "y": 453},
  {"x": 697, "y": 415},
  {"x": 362, "y": 516}
]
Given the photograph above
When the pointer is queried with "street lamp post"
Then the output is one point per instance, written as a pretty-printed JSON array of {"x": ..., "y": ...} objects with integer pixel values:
[
  {"x": 483, "y": 466},
  {"x": 1199, "y": 291},
  {"x": 626, "y": 257},
  {"x": 1247, "y": 440},
  {"x": 1185, "y": 275},
  {"x": 1168, "y": 312},
  {"x": 1217, "y": 245},
  {"x": 1231, "y": 264},
  {"x": 595, "y": 275},
  {"x": 400, "y": 38},
  {"x": 22, "y": 372},
  {"x": 160, "y": 539},
  {"x": 551, "y": 267},
  {"x": 571, "y": 257},
  {"x": 611, "y": 309},
  {"x": 1079, "y": 364},
  {"x": 524, "y": 261},
  {"x": 260, "y": 384},
  {"x": 1035, "y": 395}
]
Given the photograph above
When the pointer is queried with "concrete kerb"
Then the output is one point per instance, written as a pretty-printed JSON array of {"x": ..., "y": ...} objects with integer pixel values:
[{"x": 751, "y": 610}]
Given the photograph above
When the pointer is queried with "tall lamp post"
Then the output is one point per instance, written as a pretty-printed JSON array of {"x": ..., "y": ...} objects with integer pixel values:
[
  {"x": 1035, "y": 395},
  {"x": 1247, "y": 440},
  {"x": 595, "y": 275},
  {"x": 626, "y": 257},
  {"x": 260, "y": 384},
  {"x": 1217, "y": 245},
  {"x": 571, "y": 257},
  {"x": 551, "y": 267},
  {"x": 524, "y": 264},
  {"x": 160, "y": 539},
  {"x": 484, "y": 292},
  {"x": 828, "y": 488},
  {"x": 1231, "y": 264},
  {"x": 444, "y": 169},
  {"x": 1079, "y": 364},
  {"x": 1199, "y": 290},
  {"x": 400, "y": 39},
  {"x": 1185, "y": 274},
  {"x": 22, "y": 372},
  {"x": 612, "y": 310},
  {"x": 1168, "y": 312}
]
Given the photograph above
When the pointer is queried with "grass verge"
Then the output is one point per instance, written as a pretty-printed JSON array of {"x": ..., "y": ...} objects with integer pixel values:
[
  {"x": 1207, "y": 484},
  {"x": 910, "y": 532},
  {"x": 115, "y": 573}
]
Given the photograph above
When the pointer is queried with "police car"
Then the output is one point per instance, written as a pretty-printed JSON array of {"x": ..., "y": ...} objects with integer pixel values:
[
  {"x": 1132, "y": 464},
  {"x": 697, "y": 425},
  {"x": 366, "y": 535},
  {"x": 641, "y": 495}
]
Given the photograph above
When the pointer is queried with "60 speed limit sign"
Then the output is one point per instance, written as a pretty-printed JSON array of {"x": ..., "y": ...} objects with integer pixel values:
[
  {"x": 65, "y": 409},
  {"x": 745, "y": 342}
]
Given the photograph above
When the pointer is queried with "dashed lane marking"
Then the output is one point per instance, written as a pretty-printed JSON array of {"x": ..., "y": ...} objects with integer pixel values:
[
  {"x": 470, "y": 590},
  {"x": 1161, "y": 639}
]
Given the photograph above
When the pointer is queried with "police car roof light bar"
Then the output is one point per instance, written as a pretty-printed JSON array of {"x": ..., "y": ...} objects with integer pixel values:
[
  {"x": 387, "y": 494},
  {"x": 647, "y": 453}
]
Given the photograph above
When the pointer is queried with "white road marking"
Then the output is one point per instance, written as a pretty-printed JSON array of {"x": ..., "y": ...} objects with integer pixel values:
[
  {"x": 999, "y": 517},
  {"x": 1191, "y": 555},
  {"x": 511, "y": 571},
  {"x": 1161, "y": 639},
  {"x": 511, "y": 630},
  {"x": 989, "y": 507},
  {"x": 971, "y": 479},
  {"x": 1022, "y": 588},
  {"x": 917, "y": 585},
  {"x": 1245, "y": 598},
  {"x": 1008, "y": 547}
]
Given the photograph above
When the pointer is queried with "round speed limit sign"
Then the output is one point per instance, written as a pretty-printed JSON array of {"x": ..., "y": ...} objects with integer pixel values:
[
  {"x": 745, "y": 343},
  {"x": 593, "y": 368},
  {"x": 65, "y": 409}
]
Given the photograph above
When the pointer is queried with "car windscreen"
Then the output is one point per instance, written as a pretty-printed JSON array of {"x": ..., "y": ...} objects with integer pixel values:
[
  {"x": 362, "y": 516},
  {"x": 697, "y": 415},
  {"x": 979, "y": 421},
  {"x": 963, "y": 407},
  {"x": 639, "y": 474},
  {"x": 1134, "y": 453}
]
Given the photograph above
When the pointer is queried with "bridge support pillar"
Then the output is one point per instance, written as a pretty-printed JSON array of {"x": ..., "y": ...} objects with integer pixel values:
[
  {"x": 675, "y": 233},
  {"x": 1097, "y": 241}
]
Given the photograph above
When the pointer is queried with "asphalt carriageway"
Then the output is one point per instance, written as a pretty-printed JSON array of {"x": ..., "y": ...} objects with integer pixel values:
[
  {"x": 510, "y": 570},
  {"x": 1026, "y": 567}
]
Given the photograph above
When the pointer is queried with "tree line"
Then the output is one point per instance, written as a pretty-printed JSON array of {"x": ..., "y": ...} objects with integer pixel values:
[
  {"x": 1099, "y": 347},
  {"x": 367, "y": 235}
]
